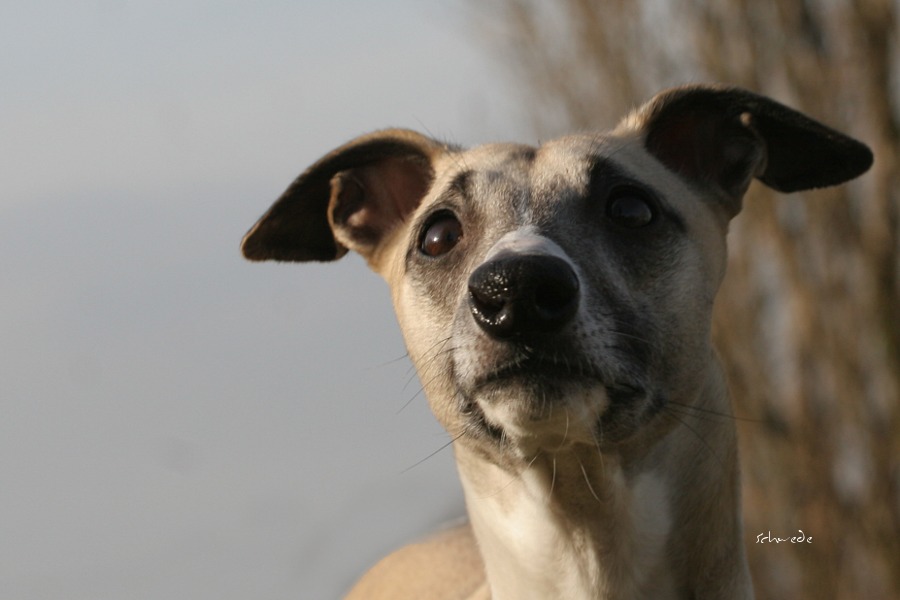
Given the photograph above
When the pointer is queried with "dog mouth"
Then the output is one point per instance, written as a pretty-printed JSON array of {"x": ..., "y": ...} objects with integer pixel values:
[
  {"x": 555, "y": 398},
  {"x": 530, "y": 369}
]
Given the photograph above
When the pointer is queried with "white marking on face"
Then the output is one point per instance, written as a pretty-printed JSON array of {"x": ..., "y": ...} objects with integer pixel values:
[
  {"x": 527, "y": 240},
  {"x": 572, "y": 422}
]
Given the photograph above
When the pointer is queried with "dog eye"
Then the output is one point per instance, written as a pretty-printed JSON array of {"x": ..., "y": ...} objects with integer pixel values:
[
  {"x": 630, "y": 208},
  {"x": 441, "y": 235}
]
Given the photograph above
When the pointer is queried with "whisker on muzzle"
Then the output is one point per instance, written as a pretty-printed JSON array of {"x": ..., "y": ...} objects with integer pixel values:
[
  {"x": 433, "y": 454},
  {"x": 674, "y": 415},
  {"x": 708, "y": 414}
]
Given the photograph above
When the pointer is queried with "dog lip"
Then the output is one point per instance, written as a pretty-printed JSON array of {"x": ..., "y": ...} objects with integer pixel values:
[{"x": 539, "y": 367}]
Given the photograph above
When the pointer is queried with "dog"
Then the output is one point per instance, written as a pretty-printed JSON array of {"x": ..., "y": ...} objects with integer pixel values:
[{"x": 556, "y": 302}]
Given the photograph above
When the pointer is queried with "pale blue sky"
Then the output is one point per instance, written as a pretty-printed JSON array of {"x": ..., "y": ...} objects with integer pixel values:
[{"x": 175, "y": 422}]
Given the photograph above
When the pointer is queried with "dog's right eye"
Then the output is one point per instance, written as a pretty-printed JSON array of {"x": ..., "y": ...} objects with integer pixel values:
[{"x": 440, "y": 235}]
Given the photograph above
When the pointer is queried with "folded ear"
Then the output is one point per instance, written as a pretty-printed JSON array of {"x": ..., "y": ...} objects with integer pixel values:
[
  {"x": 724, "y": 137},
  {"x": 349, "y": 199}
]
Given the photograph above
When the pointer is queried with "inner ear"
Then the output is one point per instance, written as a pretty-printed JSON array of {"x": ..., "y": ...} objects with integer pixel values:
[
  {"x": 368, "y": 202},
  {"x": 718, "y": 149},
  {"x": 723, "y": 137},
  {"x": 347, "y": 199}
]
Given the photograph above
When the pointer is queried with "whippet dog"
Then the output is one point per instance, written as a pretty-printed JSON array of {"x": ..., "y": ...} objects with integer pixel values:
[{"x": 556, "y": 302}]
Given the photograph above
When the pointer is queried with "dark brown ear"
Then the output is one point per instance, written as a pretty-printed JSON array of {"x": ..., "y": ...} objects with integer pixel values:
[
  {"x": 350, "y": 198},
  {"x": 724, "y": 137}
]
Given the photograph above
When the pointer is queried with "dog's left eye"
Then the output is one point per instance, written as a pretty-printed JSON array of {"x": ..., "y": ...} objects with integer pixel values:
[
  {"x": 440, "y": 235},
  {"x": 630, "y": 208}
]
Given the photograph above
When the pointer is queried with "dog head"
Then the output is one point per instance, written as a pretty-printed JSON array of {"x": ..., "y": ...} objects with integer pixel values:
[{"x": 559, "y": 294}]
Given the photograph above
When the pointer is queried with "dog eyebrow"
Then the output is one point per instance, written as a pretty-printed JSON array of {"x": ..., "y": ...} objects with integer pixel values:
[{"x": 460, "y": 185}]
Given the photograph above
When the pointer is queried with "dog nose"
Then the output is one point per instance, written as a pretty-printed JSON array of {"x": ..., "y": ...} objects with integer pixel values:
[{"x": 520, "y": 295}]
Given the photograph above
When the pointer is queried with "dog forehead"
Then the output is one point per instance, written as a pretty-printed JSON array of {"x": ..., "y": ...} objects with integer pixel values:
[
  {"x": 565, "y": 160},
  {"x": 492, "y": 175},
  {"x": 518, "y": 169},
  {"x": 486, "y": 164},
  {"x": 575, "y": 155}
]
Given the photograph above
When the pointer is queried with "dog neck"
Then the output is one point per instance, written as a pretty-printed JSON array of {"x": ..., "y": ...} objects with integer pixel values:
[{"x": 569, "y": 525}]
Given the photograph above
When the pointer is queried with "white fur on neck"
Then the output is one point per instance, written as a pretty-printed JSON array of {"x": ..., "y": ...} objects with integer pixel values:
[{"x": 533, "y": 551}]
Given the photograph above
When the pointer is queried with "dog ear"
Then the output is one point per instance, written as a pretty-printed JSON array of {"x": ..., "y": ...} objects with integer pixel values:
[
  {"x": 724, "y": 137},
  {"x": 349, "y": 199}
]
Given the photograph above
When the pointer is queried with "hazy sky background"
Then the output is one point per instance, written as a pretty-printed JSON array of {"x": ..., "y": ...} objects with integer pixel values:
[{"x": 176, "y": 423}]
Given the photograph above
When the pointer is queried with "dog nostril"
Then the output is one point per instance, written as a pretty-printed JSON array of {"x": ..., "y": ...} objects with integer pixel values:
[
  {"x": 554, "y": 300},
  {"x": 489, "y": 302}
]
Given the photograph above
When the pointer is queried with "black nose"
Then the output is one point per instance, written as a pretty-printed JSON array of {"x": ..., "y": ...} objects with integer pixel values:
[{"x": 518, "y": 295}]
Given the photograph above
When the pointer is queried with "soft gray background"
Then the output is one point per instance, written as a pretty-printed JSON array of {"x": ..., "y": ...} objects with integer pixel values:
[{"x": 176, "y": 423}]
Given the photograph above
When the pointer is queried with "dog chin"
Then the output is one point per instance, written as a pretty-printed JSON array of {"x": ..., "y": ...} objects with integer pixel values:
[{"x": 543, "y": 418}]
